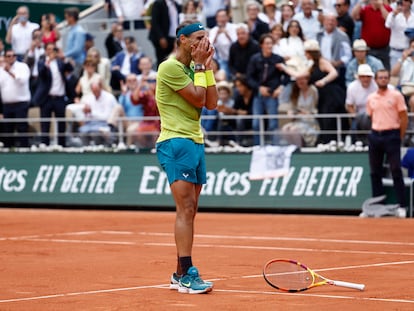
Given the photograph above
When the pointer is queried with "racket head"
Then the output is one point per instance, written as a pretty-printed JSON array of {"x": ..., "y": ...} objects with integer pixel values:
[{"x": 288, "y": 275}]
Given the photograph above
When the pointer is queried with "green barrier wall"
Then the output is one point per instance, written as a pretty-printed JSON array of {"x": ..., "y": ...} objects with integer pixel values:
[{"x": 332, "y": 181}]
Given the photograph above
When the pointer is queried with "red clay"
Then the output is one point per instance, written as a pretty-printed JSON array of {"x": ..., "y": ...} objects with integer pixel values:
[{"x": 117, "y": 260}]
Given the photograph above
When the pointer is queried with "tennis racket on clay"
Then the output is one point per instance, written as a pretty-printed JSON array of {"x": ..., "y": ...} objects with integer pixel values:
[{"x": 292, "y": 276}]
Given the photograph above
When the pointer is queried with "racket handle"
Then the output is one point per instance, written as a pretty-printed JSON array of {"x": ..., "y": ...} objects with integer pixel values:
[{"x": 349, "y": 285}]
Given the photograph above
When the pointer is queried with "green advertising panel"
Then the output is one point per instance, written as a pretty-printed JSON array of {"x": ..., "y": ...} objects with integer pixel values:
[{"x": 333, "y": 181}]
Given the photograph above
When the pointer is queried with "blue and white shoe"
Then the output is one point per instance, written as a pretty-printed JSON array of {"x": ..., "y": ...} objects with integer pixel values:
[
  {"x": 191, "y": 283},
  {"x": 174, "y": 281}
]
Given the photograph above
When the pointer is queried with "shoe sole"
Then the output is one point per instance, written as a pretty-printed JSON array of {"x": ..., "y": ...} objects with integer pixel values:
[
  {"x": 174, "y": 286},
  {"x": 186, "y": 290}
]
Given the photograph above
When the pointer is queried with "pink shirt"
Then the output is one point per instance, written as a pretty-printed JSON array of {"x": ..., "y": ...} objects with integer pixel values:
[{"x": 384, "y": 109}]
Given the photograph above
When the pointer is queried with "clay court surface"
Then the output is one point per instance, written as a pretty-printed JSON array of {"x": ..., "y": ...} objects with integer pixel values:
[{"x": 122, "y": 260}]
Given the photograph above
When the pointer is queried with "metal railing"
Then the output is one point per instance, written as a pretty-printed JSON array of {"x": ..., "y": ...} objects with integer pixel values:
[{"x": 121, "y": 134}]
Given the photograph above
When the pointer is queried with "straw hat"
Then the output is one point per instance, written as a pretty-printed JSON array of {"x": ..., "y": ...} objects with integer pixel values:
[
  {"x": 365, "y": 70},
  {"x": 269, "y": 2},
  {"x": 360, "y": 45},
  {"x": 297, "y": 64},
  {"x": 225, "y": 85},
  {"x": 311, "y": 45}
]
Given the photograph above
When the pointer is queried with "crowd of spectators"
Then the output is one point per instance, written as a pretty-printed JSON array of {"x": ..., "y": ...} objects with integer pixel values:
[{"x": 311, "y": 57}]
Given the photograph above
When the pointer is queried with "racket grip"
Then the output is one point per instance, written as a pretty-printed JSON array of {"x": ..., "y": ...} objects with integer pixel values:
[{"x": 349, "y": 285}]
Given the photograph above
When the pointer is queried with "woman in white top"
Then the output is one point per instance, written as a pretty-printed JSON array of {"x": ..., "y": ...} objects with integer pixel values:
[
  {"x": 270, "y": 15},
  {"x": 302, "y": 130},
  {"x": 292, "y": 44},
  {"x": 277, "y": 33},
  {"x": 287, "y": 11}
]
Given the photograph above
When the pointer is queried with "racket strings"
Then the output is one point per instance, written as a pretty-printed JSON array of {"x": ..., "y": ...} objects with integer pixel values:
[{"x": 288, "y": 276}]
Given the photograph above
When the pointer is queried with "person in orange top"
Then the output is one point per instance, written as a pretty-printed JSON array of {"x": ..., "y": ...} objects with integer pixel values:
[{"x": 388, "y": 113}]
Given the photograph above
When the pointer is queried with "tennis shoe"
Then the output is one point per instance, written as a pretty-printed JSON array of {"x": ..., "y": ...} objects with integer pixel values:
[
  {"x": 191, "y": 283},
  {"x": 174, "y": 281}
]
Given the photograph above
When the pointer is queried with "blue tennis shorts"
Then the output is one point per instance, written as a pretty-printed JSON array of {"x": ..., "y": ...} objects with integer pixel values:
[{"x": 182, "y": 159}]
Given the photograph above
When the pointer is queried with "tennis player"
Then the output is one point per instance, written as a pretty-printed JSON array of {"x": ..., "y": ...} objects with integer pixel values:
[{"x": 185, "y": 84}]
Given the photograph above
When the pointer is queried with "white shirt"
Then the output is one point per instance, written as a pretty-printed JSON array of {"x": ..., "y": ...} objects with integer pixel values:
[
  {"x": 398, "y": 24},
  {"x": 310, "y": 26},
  {"x": 173, "y": 14},
  {"x": 101, "y": 108},
  {"x": 58, "y": 86},
  {"x": 21, "y": 37},
  {"x": 126, "y": 65},
  {"x": 222, "y": 42},
  {"x": 36, "y": 55},
  {"x": 291, "y": 46},
  {"x": 129, "y": 9},
  {"x": 357, "y": 95},
  {"x": 276, "y": 20},
  {"x": 15, "y": 89}
]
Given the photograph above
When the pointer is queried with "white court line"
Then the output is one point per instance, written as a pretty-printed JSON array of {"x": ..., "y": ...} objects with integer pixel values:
[
  {"x": 165, "y": 286},
  {"x": 243, "y": 237},
  {"x": 271, "y": 248},
  {"x": 211, "y": 236},
  {"x": 295, "y": 249}
]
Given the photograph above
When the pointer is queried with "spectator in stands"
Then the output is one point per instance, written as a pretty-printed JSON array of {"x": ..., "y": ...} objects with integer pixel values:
[
  {"x": 277, "y": 33},
  {"x": 345, "y": 21},
  {"x": 19, "y": 33},
  {"x": 2, "y": 51},
  {"x": 267, "y": 82},
  {"x": 75, "y": 41},
  {"x": 219, "y": 74},
  {"x": 243, "y": 106},
  {"x": 148, "y": 130},
  {"x": 32, "y": 57},
  {"x": 288, "y": 11},
  {"x": 292, "y": 42},
  {"x": 242, "y": 50},
  {"x": 15, "y": 96},
  {"x": 145, "y": 67},
  {"x": 360, "y": 50},
  {"x": 309, "y": 19},
  {"x": 302, "y": 131},
  {"x": 404, "y": 69},
  {"x": 124, "y": 63},
  {"x": 89, "y": 74},
  {"x": 162, "y": 33},
  {"x": 103, "y": 66},
  {"x": 335, "y": 46},
  {"x": 210, "y": 8},
  {"x": 225, "y": 106},
  {"x": 222, "y": 37},
  {"x": 50, "y": 33},
  {"x": 191, "y": 11},
  {"x": 114, "y": 42},
  {"x": 50, "y": 94},
  {"x": 373, "y": 30},
  {"x": 129, "y": 11},
  {"x": 398, "y": 21},
  {"x": 131, "y": 110},
  {"x": 356, "y": 100},
  {"x": 270, "y": 14},
  {"x": 256, "y": 26},
  {"x": 331, "y": 95},
  {"x": 89, "y": 42},
  {"x": 99, "y": 107},
  {"x": 388, "y": 113}
]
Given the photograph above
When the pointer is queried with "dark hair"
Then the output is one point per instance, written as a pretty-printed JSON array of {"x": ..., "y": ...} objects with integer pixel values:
[
  {"x": 182, "y": 25},
  {"x": 300, "y": 34},
  {"x": 131, "y": 39},
  {"x": 264, "y": 36},
  {"x": 72, "y": 12},
  {"x": 382, "y": 70}
]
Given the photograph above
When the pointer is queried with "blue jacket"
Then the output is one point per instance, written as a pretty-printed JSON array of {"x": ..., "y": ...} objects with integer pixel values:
[{"x": 119, "y": 59}]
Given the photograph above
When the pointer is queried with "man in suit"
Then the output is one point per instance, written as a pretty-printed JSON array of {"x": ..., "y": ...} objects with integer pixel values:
[
  {"x": 162, "y": 32},
  {"x": 50, "y": 94},
  {"x": 124, "y": 63}
]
